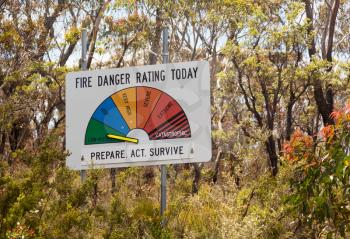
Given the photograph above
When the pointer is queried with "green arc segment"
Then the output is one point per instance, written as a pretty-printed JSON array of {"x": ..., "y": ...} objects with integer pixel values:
[{"x": 96, "y": 133}]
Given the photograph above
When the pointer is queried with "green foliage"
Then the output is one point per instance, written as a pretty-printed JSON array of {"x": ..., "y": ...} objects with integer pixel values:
[
  {"x": 195, "y": 216},
  {"x": 137, "y": 218},
  {"x": 321, "y": 181},
  {"x": 72, "y": 35},
  {"x": 263, "y": 87},
  {"x": 39, "y": 202}
]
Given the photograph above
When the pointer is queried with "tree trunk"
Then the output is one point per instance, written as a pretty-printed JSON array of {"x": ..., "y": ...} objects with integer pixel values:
[
  {"x": 217, "y": 165},
  {"x": 273, "y": 158},
  {"x": 113, "y": 173},
  {"x": 289, "y": 121},
  {"x": 93, "y": 35},
  {"x": 324, "y": 104},
  {"x": 2, "y": 143},
  {"x": 233, "y": 172},
  {"x": 148, "y": 175},
  {"x": 94, "y": 202},
  {"x": 155, "y": 40},
  {"x": 197, "y": 175}
]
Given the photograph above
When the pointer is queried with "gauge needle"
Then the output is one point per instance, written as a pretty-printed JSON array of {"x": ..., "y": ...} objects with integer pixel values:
[{"x": 127, "y": 139}]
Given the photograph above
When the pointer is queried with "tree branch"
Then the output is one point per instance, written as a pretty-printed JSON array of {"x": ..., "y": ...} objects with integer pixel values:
[{"x": 332, "y": 24}]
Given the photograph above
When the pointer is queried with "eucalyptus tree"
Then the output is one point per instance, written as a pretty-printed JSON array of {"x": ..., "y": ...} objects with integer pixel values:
[{"x": 272, "y": 70}]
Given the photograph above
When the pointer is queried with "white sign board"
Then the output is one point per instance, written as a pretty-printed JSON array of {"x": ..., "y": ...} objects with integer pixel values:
[{"x": 145, "y": 115}]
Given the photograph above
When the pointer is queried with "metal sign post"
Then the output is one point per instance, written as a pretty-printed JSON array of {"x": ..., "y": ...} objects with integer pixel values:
[
  {"x": 163, "y": 167},
  {"x": 83, "y": 67}
]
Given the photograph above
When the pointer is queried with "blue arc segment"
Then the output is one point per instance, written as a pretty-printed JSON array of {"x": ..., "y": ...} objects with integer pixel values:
[{"x": 108, "y": 114}]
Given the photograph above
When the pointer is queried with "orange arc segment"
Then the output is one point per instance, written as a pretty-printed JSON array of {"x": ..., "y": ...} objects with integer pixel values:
[
  {"x": 147, "y": 99},
  {"x": 125, "y": 100}
]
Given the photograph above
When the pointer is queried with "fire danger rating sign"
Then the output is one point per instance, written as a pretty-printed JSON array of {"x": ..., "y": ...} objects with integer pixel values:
[{"x": 146, "y": 115}]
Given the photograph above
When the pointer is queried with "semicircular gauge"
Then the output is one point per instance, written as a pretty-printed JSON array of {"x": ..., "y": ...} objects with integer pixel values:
[{"x": 146, "y": 108}]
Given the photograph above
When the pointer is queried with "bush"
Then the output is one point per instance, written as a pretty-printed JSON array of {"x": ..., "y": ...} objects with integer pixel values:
[{"x": 321, "y": 180}]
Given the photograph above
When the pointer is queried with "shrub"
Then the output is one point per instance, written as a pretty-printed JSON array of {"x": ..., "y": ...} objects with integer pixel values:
[{"x": 321, "y": 180}]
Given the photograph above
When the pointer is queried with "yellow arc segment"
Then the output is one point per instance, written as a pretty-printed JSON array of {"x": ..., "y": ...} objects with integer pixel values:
[
  {"x": 127, "y": 139},
  {"x": 125, "y": 100}
]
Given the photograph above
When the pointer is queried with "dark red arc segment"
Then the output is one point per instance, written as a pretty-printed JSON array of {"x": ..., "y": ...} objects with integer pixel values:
[
  {"x": 167, "y": 133},
  {"x": 177, "y": 129},
  {"x": 165, "y": 109},
  {"x": 179, "y": 124},
  {"x": 169, "y": 123}
]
